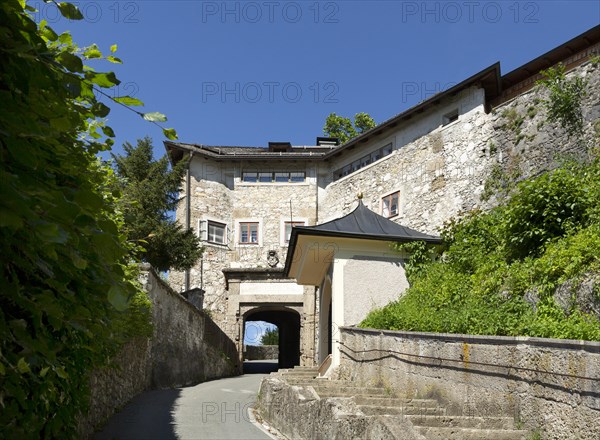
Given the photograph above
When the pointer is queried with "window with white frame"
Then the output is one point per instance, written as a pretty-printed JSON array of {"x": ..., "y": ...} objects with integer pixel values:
[
  {"x": 216, "y": 232},
  {"x": 288, "y": 229},
  {"x": 390, "y": 205},
  {"x": 248, "y": 233}
]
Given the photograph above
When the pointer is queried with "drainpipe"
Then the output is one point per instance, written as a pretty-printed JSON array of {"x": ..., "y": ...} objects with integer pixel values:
[
  {"x": 317, "y": 194},
  {"x": 188, "y": 207}
]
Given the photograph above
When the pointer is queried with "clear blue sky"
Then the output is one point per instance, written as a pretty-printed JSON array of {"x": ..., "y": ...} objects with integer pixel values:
[{"x": 245, "y": 73}]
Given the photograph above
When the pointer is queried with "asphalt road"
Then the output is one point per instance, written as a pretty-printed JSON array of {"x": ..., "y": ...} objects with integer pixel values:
[{"x": 215, "y": 410}]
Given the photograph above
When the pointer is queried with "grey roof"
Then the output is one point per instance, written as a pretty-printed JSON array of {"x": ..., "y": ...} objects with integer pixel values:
[
  {"x": 360, "y": 223},
  {"x": 364, "y": 223},
  {"x": 228, "y": 152}
]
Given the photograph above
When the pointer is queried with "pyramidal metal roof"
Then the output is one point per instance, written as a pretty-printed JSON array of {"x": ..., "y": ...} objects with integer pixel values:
[
  {"x": 361, "y": 223},
  {"x": 364, "y": 223}
]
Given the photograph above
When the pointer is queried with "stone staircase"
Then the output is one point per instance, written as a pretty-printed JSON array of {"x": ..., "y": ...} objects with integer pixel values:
[{"x": 427, "y": 416}]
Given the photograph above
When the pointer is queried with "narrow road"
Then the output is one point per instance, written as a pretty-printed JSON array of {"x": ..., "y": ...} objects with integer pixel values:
[{"x": 215, "y": 410}]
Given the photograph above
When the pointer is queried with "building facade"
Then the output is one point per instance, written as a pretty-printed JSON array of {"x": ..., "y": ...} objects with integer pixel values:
[{"x": 420, "y": 168}]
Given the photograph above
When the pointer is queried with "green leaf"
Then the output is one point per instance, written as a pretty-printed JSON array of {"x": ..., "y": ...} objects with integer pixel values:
[
  {"x": 108, "y": 131},
  {"x": 78, "y": 262},
  {"x": 50, "y": 232},
  {"x": 49, "y": 34},
  {"x": 113, "y": 48},
  {"x": 92, "y": 52},
  {"x": 170, "y": 133},
  {"x": 60, "y": 372},
  {"x": 155, "y": 117},
  {"x": 70, "y": 62},
  {"x": 65, "y": 38},
  {"x": 105, "y": 80},
  {"x": 114, "y": 59},
  {"x": 100, "y": 110},
  {"x": 118, "y": 298},
  {"x": 128, "y": 100},
  {"x": 23, "y": 366},
  {"x": 70, "y": 11},
  {"x": 44, "y": 371}
]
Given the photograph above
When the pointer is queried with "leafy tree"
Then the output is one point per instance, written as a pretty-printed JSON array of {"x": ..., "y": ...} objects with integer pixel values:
[
  {"x": 342, "y": 128},
  {"x": 150, "y": 191},
  {"x": 270, "y": 337},
  {"x": 65, "y": 273}
]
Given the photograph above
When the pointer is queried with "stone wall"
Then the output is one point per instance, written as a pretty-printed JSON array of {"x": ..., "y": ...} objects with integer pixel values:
[
  {"x": 186, "y": 348},
  {"x": 259, "y": 352},
  {"x": 299, "y": 413},
  {"x": 548, "y": 385},
  {"x": 443, "y": 172},
  {"x": 218, "y": 194}
]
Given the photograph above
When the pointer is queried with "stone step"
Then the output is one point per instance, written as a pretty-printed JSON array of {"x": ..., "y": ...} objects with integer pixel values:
[
  {"x": 307, "y": 375},
  {"x": 457, "y": 433},
  {"x": 445, "y": 421},
  {"x": 395, "y": 401},
  {"x": 349, "y": 391},
  {"x": 318, "y": 382},
  {"x": 298, "y": 367},
  {"x": 408, "y": 409}
]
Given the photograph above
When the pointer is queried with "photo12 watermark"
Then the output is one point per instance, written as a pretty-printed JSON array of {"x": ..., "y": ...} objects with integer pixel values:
[
  {"x": 123, "y": 12},
  {"x": 270, "y": 12},
  {"x": 469, "y": 12},
  {"x": 269, "y": 92},
  {"x": 421, "y": 90}
]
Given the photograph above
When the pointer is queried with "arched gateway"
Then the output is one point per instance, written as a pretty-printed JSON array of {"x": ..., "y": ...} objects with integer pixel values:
[{"x": 264, "y": 294}]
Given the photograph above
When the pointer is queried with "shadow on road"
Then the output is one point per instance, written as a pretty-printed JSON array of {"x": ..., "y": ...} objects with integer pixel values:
[
  {"x": 260, "y": 367},
  {"x": 147, "y": 416}
]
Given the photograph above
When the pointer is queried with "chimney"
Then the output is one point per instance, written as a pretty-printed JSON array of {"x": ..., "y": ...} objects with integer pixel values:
[
  {"x": 280, "y": 147},
  {"x": 327, "y": 141}
]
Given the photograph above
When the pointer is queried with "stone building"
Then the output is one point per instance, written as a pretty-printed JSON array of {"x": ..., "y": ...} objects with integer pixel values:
[{"x": 419, "y": 168}]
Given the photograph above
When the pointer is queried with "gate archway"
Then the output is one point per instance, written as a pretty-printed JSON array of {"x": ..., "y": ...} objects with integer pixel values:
[{"x": 288, "y": 322}]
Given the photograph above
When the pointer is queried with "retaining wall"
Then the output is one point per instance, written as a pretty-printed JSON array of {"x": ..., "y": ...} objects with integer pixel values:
[
  {"x": 259, "y": 352},
  {"x": 186, "y": 348},
  {"x": 548, "y": 385}
]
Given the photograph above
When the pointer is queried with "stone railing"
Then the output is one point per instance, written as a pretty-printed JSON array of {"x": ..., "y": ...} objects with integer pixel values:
[{"x": 548, "y": 385}]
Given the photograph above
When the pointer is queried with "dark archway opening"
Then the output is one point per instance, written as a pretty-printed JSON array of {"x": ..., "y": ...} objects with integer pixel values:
[{"x": 288, "y": 323}]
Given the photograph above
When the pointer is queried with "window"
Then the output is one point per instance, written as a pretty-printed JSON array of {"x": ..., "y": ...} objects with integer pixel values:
[
  {"x": 297, "y": 177},
  {"x": 364, "y": 161},
  {"x": 281, "y": 177},
  {"x": 270, "y": 177},
  {"x": 288, "y": 229},
  {"x": 216, "y": 232},
  {"x": 249, "y": 233},
  {"x": 450, "y": 117},
  {"x": 390, "y": 205},
  {"x": 249, "y": 177},
  {"x": 265, "y": 177}
]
